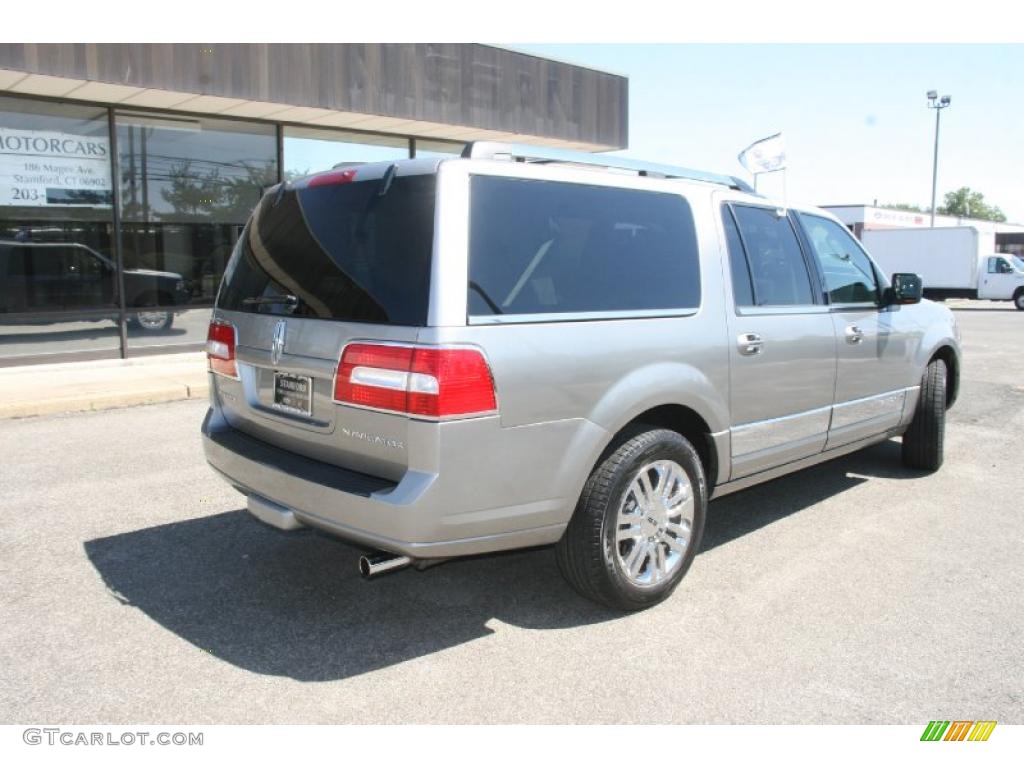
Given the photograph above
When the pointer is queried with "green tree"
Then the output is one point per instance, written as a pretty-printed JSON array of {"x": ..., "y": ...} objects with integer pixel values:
[
  {"x": 192, "y": 195},
  {"x": 215, "y": 196},
  {"x": 971, "y": 205}
]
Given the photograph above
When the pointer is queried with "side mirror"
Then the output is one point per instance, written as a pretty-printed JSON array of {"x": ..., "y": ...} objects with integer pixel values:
[{"x": 906, "y": 289}]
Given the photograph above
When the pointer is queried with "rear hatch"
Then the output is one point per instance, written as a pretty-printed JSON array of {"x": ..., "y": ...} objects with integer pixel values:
[{"x": 336, "y": 258}]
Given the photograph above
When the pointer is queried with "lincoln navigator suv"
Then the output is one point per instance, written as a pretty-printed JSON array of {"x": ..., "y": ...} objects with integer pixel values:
[{"x": 433, "y": 358}]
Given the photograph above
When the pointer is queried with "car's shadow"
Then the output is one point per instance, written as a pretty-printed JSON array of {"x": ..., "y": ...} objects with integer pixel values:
[
  {"x": 746, "y": 511},
  {"x": 292, "y": 604}
]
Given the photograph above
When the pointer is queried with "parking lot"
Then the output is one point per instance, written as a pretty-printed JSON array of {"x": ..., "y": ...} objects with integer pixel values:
[{"x": 137, "y": 589}]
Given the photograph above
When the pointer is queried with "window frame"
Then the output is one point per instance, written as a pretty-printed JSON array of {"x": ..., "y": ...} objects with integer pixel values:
[
  {"x": 614, "y": 183},
  {"x": 819, "y": 299}
]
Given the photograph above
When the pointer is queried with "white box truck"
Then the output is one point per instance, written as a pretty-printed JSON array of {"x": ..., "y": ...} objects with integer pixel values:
[{"x": 953, "y": 262}]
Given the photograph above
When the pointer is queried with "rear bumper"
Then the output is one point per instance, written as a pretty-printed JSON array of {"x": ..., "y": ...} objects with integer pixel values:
[{"x": 425, "y": 514}]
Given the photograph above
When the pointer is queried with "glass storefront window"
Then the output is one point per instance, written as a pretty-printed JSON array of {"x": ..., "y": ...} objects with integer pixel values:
[
  {"x": 434, "y": 148},
  {"x": 187, "y": 187},
  {"x": 58, "y": 279},
  {"x": 308, "y": 150}
]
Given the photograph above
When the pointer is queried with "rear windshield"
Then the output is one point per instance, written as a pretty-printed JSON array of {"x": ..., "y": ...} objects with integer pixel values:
[
  {"x": 545, "y": 247},
  {"x": 357, "y": 251}
]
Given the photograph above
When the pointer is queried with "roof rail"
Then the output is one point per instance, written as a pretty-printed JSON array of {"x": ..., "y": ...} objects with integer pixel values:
[{"x": 525, "y": 153}]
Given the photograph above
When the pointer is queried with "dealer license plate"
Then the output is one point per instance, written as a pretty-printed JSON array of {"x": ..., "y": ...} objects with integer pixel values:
[{"x": 293, "y": 393}]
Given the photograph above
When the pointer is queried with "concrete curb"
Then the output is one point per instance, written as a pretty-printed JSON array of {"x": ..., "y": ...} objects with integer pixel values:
[{"x": 75, "y": 387}]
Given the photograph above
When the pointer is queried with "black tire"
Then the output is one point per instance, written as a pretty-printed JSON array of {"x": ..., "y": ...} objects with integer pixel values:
[
  {"x": 922, "y": 442},
  {"x": 152, "y": 321},
  {"x": 1018, "y": 300},
  {"x": 588, "y": 554}
]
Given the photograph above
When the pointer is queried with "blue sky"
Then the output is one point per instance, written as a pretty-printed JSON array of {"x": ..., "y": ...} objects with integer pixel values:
[{"x": 854, "y": 117}]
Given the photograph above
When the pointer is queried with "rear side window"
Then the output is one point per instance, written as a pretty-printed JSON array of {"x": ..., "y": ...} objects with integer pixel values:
[
  {"x": 542, "y": 247},
  {"x": 777, "y": 267},
  {"x": 357, "y": 251}
]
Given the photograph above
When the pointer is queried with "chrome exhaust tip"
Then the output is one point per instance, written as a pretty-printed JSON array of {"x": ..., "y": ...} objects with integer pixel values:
[{"x": 379, "y": 563}]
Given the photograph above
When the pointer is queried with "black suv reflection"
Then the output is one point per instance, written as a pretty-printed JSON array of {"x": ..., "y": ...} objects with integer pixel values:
[{"x": 47, "y": 277}]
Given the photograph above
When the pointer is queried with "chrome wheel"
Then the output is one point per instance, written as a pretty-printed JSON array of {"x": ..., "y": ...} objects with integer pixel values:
[
  {"x": 152, "y": 321},
  {"x": 654, "y": 524}
]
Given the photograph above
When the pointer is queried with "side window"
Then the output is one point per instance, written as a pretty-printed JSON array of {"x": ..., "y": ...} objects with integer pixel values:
[
  {"x": 87, "y": 264},
  {"x": 999, "y": 266},
  {"x": 543, "y": 247},
  {"x": 777, "y": 266},
  {"x": 849, "y": 276},
  {"x": 742, "y": 290}
]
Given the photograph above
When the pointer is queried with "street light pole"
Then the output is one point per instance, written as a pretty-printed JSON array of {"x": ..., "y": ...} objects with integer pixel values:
[{"x": 934, "y": 102}]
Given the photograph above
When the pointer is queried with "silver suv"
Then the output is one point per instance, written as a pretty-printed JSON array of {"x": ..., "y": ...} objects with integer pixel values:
[{"x": 520, "y": 347}]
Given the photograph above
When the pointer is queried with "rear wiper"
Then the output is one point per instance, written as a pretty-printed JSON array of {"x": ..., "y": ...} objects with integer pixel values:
[
  {"x": 487, "y": 299},
  {"x": 261, "y": 300},
  {"x": 385, "y": 183}
]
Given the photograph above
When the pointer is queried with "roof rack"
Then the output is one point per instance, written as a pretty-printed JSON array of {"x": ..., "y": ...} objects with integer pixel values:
[{"x": 525, "y": 153}]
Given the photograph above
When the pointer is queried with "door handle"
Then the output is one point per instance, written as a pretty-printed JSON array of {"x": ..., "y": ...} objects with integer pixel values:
[
  {"x": 854, "y": 335},
  {"x": 750, "y": 343}
]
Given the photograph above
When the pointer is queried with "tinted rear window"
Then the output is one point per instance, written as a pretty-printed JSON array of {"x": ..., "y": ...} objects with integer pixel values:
[
  {"x": 542, "y": 247},
  {"x": 774, "y": 257},
  {"x": 341, "y": 252}
]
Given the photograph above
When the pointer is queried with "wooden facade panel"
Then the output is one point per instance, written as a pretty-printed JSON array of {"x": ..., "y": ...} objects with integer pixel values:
[{"x": 464, "y": 84}]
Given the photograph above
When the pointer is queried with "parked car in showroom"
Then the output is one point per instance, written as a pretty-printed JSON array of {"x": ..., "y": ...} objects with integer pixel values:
[
  {"x": 442, "y": 357},
  {"x": 41, "y": 277}
]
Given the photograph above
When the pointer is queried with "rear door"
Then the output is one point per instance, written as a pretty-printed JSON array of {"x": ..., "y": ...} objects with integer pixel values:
[
  {"x": 88, "y": 281},
  {"x": 782, "y": 343},
  {"x": 47, "y": 276},
  {"x": 876, "y": 344},
  {"x": 343, "y": 258}
]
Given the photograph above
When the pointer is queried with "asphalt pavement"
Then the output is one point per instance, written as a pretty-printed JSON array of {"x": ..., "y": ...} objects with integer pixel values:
[{"x": 138, "y": 590}]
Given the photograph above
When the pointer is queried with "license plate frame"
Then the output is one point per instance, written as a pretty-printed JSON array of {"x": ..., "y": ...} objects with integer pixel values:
[{"x": 293, "y": 398}]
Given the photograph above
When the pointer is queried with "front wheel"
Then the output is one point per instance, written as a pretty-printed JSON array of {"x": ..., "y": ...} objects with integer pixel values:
[
  {"x": 152, "y": 321},
  {"x": 923, "y": 440},
  {"x": 1018, "y": 300},
  {"x": 638, "y": 523}
]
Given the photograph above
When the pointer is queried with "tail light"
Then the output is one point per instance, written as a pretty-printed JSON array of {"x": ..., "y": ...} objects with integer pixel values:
[
  {"x": 434, "y": 382},
  {"x": 220, "y": 348}
]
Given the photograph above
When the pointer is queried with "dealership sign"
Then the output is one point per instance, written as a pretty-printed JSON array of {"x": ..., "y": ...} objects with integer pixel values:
[
  {"x": 49, "y": 168},
  {"x": 897, "y": 218}
]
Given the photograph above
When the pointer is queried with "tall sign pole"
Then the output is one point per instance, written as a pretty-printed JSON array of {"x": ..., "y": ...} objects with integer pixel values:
[{"x": 934, "y": 102}]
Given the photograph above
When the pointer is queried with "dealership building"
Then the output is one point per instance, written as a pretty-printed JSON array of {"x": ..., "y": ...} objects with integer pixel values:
[
  {"x": 1009, "y": 238},
  {"x": 127, "y": 171}
]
